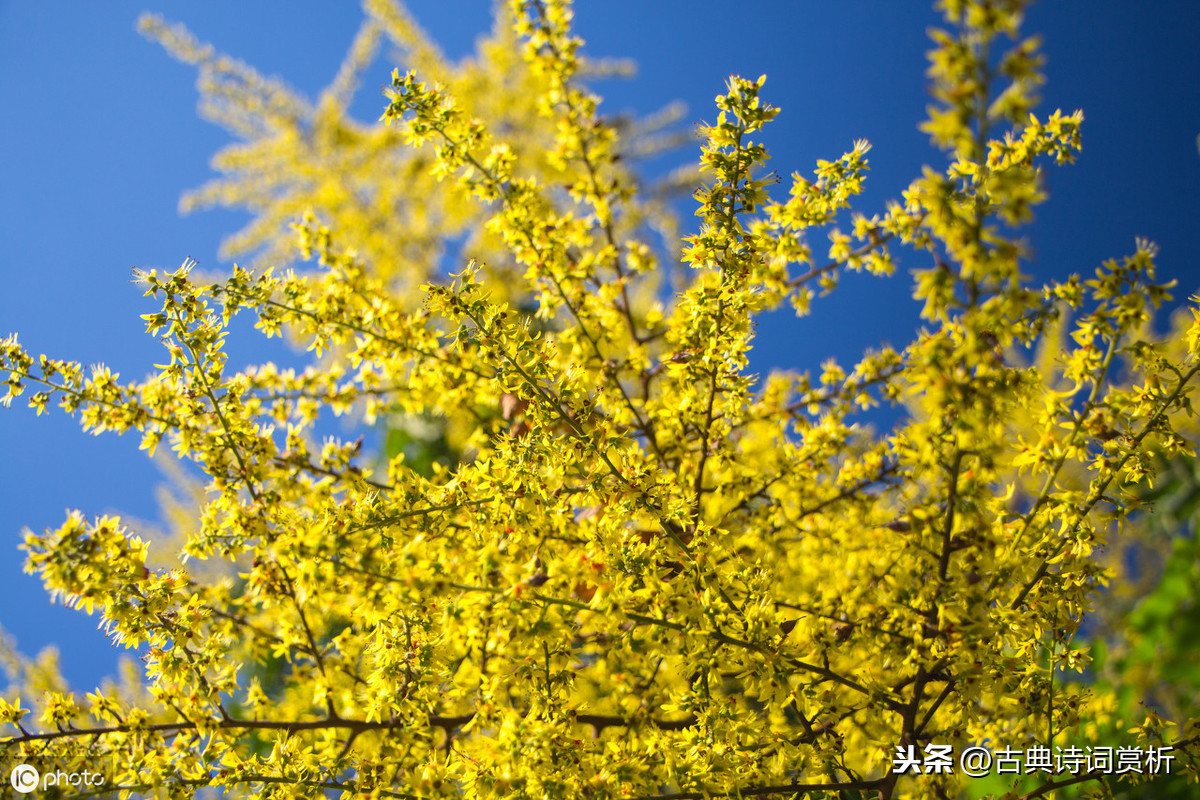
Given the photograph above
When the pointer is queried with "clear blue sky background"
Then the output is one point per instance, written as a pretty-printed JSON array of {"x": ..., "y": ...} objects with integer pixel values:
[{"x": 99, "y": 136}]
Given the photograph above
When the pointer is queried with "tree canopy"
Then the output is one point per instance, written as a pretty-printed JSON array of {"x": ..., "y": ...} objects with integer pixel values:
[{"x": 599, "y": 557}]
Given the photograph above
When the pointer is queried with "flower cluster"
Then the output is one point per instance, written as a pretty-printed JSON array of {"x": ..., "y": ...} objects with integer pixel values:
[{"x": 635, "y": 570}]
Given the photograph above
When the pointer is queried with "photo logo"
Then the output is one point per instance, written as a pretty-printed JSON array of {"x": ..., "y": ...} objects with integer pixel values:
[{"x": 24, "y": 778}]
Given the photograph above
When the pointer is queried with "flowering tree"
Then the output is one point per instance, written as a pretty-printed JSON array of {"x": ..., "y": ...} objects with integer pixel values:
[{"x": 635, "y": 570}]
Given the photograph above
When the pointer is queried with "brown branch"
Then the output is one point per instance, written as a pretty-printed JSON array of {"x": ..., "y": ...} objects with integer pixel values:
[
  {"x": 1053, "y": 785},
  {"x": 349, "y": 787},
  {"x": 948, "y": 528},
  {"x": 941, "y": 698},
  {"x": 602, "y": 721},
  {"x": 348, "y": 477},
  {"x": 846, "y": 388},
  {"x": 354, "y": 725},
  {"x": 850, "y": 491},
  {"x": 764, "y": 791},
  {"x": 878, "y": 241}
]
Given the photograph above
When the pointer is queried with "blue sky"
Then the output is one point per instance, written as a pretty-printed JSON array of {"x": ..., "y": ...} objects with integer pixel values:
[{"x": 99, "y": 136}]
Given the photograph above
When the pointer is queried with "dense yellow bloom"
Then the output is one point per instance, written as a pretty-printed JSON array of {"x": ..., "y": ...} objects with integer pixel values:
[{"x": 636, "y": 570}]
